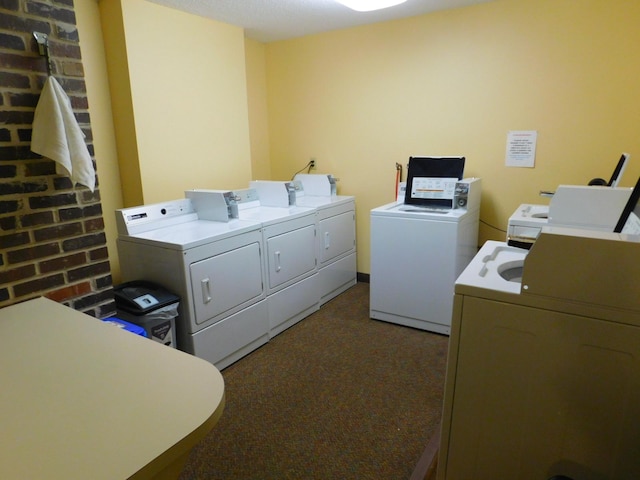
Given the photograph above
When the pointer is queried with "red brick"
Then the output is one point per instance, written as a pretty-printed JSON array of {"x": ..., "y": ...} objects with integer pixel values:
[
  {"x": 17, "y": 274},
  {"x": 32, "y": 194},
  {"x": 39, "y": 284},
  {"x": 33, "y": 252},
  {"x": 63, "y": 263},
  {"x": 68, "y": 292}
]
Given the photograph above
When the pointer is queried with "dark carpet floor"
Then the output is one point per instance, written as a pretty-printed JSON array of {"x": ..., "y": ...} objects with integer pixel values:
[{"x": 336, "y": 396}]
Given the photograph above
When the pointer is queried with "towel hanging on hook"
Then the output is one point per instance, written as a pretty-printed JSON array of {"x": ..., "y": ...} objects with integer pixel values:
[{"x": 56, "y": 133}]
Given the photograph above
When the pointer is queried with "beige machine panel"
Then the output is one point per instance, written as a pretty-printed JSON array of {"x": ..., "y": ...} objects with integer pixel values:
[
  {"x": 541, "y": 393},
  {"x": 547, "y": 381},
  {"x": 589, "y": 267}
]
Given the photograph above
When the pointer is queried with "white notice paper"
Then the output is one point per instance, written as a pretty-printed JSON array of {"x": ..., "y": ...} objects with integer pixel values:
[
  {"x": 435, "y": 188},
  {"x": 521, "y": 148}
]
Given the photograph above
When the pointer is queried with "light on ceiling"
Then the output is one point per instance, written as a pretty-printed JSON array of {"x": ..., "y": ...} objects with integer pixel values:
[{"x": 369, "y": 5}]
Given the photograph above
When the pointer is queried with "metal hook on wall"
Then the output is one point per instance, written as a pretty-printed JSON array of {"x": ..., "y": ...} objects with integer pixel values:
[{"x": 43, "y": 48}]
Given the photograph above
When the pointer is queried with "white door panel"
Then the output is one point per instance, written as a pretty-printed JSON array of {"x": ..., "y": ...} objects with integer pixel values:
[
  {"x": 290, "y": 256},
  {"x": 337, "y": 236},
  {"x": 226, "y": 282}
]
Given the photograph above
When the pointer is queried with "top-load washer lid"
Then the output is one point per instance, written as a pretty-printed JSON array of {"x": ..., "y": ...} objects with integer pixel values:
[
  {"x": 399, "y": 209},
  {"x": 497, "y": 266}
]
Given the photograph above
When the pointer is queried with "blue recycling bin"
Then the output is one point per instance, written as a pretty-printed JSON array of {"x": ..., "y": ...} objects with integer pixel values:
[{"x": 123, "y": 324}]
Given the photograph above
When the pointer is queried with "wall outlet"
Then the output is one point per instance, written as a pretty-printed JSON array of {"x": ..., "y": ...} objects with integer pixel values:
[{"x": 312, "y": 163}]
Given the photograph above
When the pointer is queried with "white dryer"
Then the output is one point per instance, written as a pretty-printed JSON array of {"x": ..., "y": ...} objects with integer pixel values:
[
  {"x": 336, "y": 232},
  {"x": 416, "y": 256},
  {"x": 216, "y": 267},
  {"x": 543, "y": 375},
  {"x": 288, "y": 234}
]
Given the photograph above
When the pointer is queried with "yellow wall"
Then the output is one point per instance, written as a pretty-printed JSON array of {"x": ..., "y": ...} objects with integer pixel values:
[
  {"x": 258, "y": 113},
  {"x": 455, "y": 82},
  {"x": 115, "y": 49},
  {"x": 104, "y": 144},
  {"x": 188, "y": 96}
]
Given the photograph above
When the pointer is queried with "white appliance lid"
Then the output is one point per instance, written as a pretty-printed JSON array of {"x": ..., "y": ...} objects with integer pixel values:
[{"x": 192, "y": 234}]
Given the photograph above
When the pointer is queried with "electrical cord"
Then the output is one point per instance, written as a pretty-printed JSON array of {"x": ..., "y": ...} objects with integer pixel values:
[
  {"x": 492, "y": 226},
  {"x": 308, "y": 166}
]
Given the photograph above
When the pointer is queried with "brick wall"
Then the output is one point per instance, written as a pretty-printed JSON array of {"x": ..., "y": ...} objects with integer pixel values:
[{"x": 52, "y": 240}]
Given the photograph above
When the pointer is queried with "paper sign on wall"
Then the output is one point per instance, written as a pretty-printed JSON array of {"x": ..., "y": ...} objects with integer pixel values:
[{"x": 521, "y": 148}]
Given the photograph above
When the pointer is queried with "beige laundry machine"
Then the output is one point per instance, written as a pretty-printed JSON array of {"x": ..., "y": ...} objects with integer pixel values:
[{"x": 543, "y": 374}]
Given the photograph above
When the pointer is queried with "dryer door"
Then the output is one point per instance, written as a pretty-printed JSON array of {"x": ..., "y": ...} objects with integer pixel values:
[
  {"x": 337, "y": 236},
  {"x": 225, "y": 283},
  {"x": 290, "y": 256}
]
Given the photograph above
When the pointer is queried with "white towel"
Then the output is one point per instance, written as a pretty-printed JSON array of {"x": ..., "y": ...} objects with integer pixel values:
[{"x": 57, "y": 135}]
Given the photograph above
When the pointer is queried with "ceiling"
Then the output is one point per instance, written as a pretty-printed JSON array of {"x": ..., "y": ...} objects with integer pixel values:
[{"x": 273, "y": 20}]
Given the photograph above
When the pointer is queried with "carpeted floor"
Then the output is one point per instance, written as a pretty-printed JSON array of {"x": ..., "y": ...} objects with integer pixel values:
[{"x": 336, "y": 396}]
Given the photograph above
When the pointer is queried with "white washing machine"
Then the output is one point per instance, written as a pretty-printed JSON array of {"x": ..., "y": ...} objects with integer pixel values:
[
  {"x": 416, "y": 256},
  {"x": 543, "y": 373},
  {"x": 288, "y": 233},
  {"x": 216, "y": 267},
  {"x": 336, "y": 233},
  {"x": 574, "y": 206}
]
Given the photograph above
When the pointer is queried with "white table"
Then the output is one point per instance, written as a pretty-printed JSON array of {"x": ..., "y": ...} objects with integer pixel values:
[{"x": 80, "y": 398}]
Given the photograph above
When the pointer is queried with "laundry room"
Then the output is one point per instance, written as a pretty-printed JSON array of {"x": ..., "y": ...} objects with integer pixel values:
[
  {"x": 454, "y": 82},
  {"x": 171, "y": 101}
]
